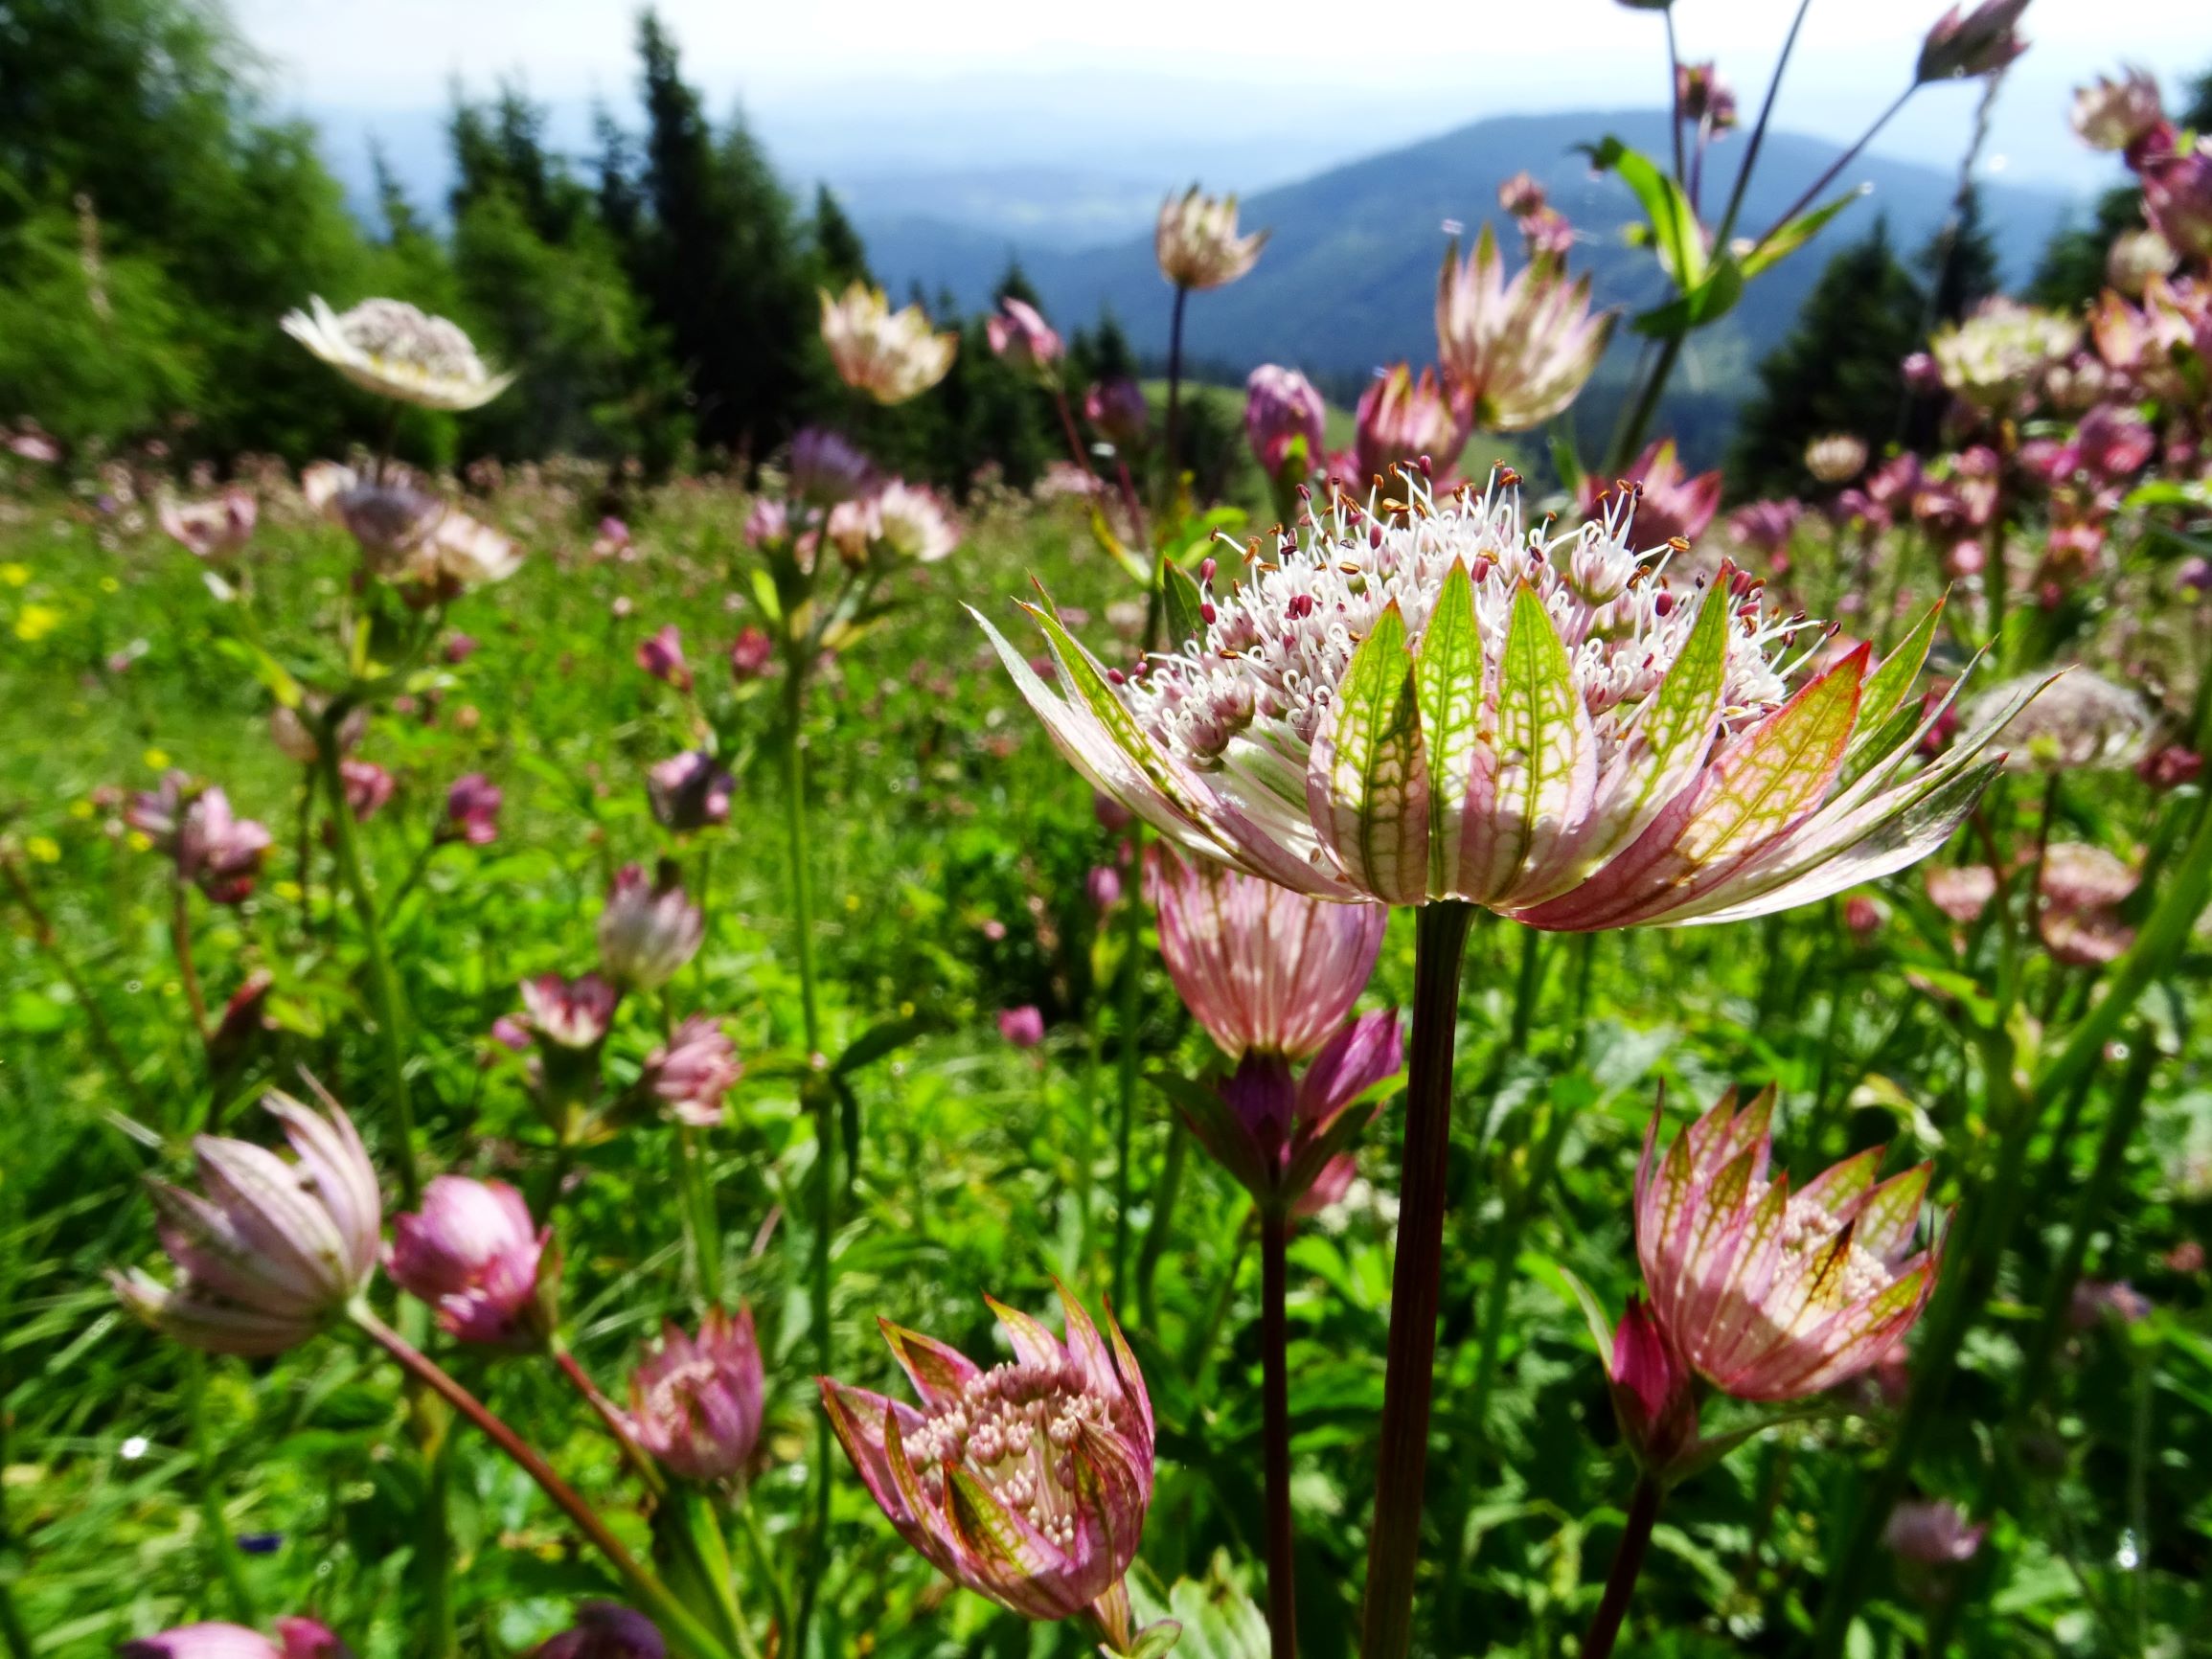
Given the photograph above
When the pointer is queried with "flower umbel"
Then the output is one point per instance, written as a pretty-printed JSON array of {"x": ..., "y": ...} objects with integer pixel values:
[
  {"x": 1422, "y": 700},
  {"x": 474, "y": 1253},
  {"x": 695, "y": 1403},
  {"x": 649, "y": 928},
  {"x": 1767, "y": 1294},
  {"x": 395, "y": 351},
  {"x": 1196, "y": 244},
  {"x": 1028, "y": 1482},
  {"x": 1518, "y": 351},
  {"x": 891, "y": 356},
  {"x": 273, "y": 1249}
]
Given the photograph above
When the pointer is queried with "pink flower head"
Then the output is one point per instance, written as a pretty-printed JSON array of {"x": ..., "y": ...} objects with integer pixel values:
[
  {"x": 649, "y": 928},
  {"x": 1028, "y": 1482},
  {"x": 1963, "y": 45},
  {"x": 2081, "y": 886},
  {"x": 275, "y": 1249},
  {"x": 1197, "y": 242},
  {"x": 661, "y": 654},
  {"x": 696, "y": 1403},
  {"x": 1931, "y": 1533},
  {"x": 2115, "y": 115},
  {"x": 1285, "y": 1138},
  {"x": 693, "y": 1070},
  {"x": 2096, "y": 1300},
  {"x": 1515, "y": 352},
  {"x": 752, "y": 656},
  {"x": 605, "y": 1631},
  {"x": 1765, "y": 1294},
  {"x": 1283, "y": 421},
  {"x": 1118, "y": 409},
  {"x": 1862, "y": 917},
  {"x": 2170, "y": 768},
  {"x": 826, "y": 467},
  {"x": 1022, "y": 1027},
  {"x": 1520, "y": 195},
  {"x": 688, "y": 791},
  {"x": 1018, "y": 333},
  {"x": 1962, "y": 892},
  {"x": 472, "y": 1253},
  {"x": 472, "y": 810},
  {"x": 1401, "y": 419},
  {"x": 296, "y": 1639},
  {"x": 459, "y": 647},
  {"x": 1670, "y": 504},
  {"x": 368, "y": 788},
  {"x": 568, "y": 1014},
  {"x": 1102, "y": 886},
  {"x": 211, "y": 530},
  {"x": 767, "y": 522},
  {"x": 910, "y": 524},
  {"x": 1547, "y": 235},
  {"x": 213, "y": 846},
  {"x": 1260, "y": 966},
  {"x": 2177, "y": 192},
  {"x": 1703, "y": 96},
  {"x": 1766, "y": 527}
]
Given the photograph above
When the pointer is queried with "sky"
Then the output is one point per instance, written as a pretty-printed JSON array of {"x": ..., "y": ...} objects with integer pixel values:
[{"x": 1172, "y": 88}]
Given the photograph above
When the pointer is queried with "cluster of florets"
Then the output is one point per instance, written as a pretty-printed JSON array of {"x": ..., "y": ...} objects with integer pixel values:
[{"x": 1016, "y": 1427}]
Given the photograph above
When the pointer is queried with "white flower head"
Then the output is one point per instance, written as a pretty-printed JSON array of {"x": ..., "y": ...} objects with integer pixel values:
[{"x": 394, "y": 350}]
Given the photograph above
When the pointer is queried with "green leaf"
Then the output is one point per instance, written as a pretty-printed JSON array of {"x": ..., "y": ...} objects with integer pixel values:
[
  {"x": 1373, "y": 767},
  {"x": 1713, "y": 298},
  {"x": 1219, "y": 1129},
  {"x": 765, "y": 594},
  {"x": 877, "y": 1041},
  {"x": 1594, "y": 1314},
  {"x": 1886, "y": 688},
  {"x": 1181, "y": 602},
  {"x": 1787, "y": 237},
  {"x": 1675, "y": 234}
]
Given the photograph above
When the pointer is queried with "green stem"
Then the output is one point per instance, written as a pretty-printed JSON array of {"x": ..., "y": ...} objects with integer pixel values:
[
  {"x": 1627, "y": 1564},
  {"x": 1630, "y": 435},
  {"x": 1165, "y": 1192},
  {"x": 230, "y": 1564},
  {"x": 383, "y": 984},
  {"x": 699, "y": 1218},
  {"x": 676, "y": 1620},
  {"x": 1416, "y": 1287},
  {"x": 1276, "y": 1402},
  {"x": 764, "y": 1564},
  {"x": 180, "y": 940},
  {"x": 437, "y": 1552}
]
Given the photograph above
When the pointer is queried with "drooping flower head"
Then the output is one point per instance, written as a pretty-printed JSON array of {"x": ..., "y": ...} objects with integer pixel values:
[
  {"x": 1998, "y": 355},
  {"x": 1283, "y": 417},
  {"x": 474, "y": 1253},
  {"x": 891, "y": 356},
  {"x": 1018, "y": 333},
  {"x": 1837, "y": 458},
  {"x": 2177, "y": 190},
  {"x": 1704, "y": 97},
  {"x": 1429, "y": 702},
  {"x": 1518, "y": 351},
  {"x": 649, "y": 928},
  {"x": 1117, "y": 408},
  {"x": 826, "y": 468},
  {"x": 1029, "y": 1482},
  {"x": 693, "y": 1070},
  {"x": 368, "y": 787},
  {"x": 2115, "y": 114},
  {"x": 407, "y": 535},
  {"x": 1962, "y": 44},
  {"x": 1765, "y": 1293},
  {"x": 395, "y": 351},
  {"x": 211, "y": 530},
  {"x": 1401, "y": 419},
  {"x": 661, "y": 654},
  {"x": 688, "y": 791},
  {"x": 2081, "y": 722},
  {"x": 1196, "y": 244},
  {"x": 568, "y": 1014},
  {"x": 271, "y": 1249},
  {"x": 695, "y": 1403},
  {"x": 194, "y": 825},
  {"x": 1671, "y": 504}
]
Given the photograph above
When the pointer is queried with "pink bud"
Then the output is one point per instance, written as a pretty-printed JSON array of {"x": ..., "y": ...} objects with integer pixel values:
[
  {"x": 696, "y": 1403},
  {"x": 649, "y": 928},
  {"x": 472, "y": 810},
  {"x": 368, "y": 787},
  {"x": 691, "y": 1071},
  {"x": 472, "y": 1253},
  {"x": 1021, "y": 1027},
  {"x": 1654, "y": 1397},
  {"x": 459, "y": 647},
  {"x": 662, "y": 656},
  {"x": 752, "y": 656},
  {"x": 1283, "y": 417},
  {"x": 688, "y": 791},
  {"x": 1104, "y": 887}
]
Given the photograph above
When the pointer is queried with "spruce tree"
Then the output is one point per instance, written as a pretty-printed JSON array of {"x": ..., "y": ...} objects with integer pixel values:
[
  {"x": 1838, "y": 370},
  {"x": 1958, "y": 267},
  {"x": 837, "y": 249}
]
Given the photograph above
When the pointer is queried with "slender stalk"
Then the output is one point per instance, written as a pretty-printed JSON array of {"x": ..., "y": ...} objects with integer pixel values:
[
  {"x": 1628, "y": 1562},
  {"x": 1675, "y": 93},
  {"x": 824, "y": 1105},
  {"x": 436, "y": 1556},
  {"x": 1165, "y": 1192},
  {"x": 47, "y": 939},
  {"x": 1275, "y": 1439},
  {"x": 674, "y": 1619},
  {"x": 1176, "y": 392},
  {"x": 230, "y": 1565},
  {"x": 609, "y": 1413},
  {"x": 699, "y": 1219},
  {"x": 1631, "y": 437},
  {"x": 304, "y": 870},
  {"x": 1828, "y": 177},
  {"x": 383, "y": 984},
  {"x": 1402, "y": 1459},
  {"x": 1758, "y": 140},
  {"x": 180, "y": 940}
]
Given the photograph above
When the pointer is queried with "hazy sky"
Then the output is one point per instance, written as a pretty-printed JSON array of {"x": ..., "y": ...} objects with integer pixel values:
[{"x": 1129, "y": 83}]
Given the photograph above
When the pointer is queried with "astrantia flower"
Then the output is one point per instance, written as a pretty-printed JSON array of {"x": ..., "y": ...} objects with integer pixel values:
[
  {"x": 471, "y": 810},
  {"x": 1765, "y": 526},
  {"x": 395, "y": 351},
  {"x": 368, "y": 787},
  {"x": 1028, "y": 1482},
  {"x": 276, "y": 1248},
  {"x": 1401, "y": 419},
  {"x": 1931, "y": 1533},
  {"x": 605, "y": 1631},
  {"x": 1961, "y": 893},
  {"x": 692, "y": 1071},
  {"x": 2113, "y": 114},
  {"x": 2080, "y": 722},
  {"x": 296, "y": 1639},
  {"x": 1284, "y": 414},
  {"x": 1520, "y": 351},
  {"x": 1767, "y": 1294},
  {"x": 1837, "y": 458},
  {"x": 2081, "y": 889},
  {"x": 1963, "y": 44},
  {"x": 1704, "y": 97},
  {"x": 1432, "y": 703},
  {"x": 408, "y": 535},
  {"x": 569, "y": 1013},
  {"x": 1023, "y": 1026},
  {"x": 211, "y": 530},
  {"x": 2134, "y": 258},
  {"x": 695, "y": 1403},
  {"x": 472, "y": 1253},
  {"x": 826, "y": 468},
  {"x": 661, "y": 654},
  {"x": 912, "y": 525},
  {"x": 688, "y": 791},
  {"x": 649, "y": 928},
  {"x": 2177, "y": 191},
  {"x": 1117, "y": 407},
  {"x": 1670, "y": 503},
  {"x": 1018, "y": 333},
  {"x": 891, "y": 356},
  {"x": 1996, "y": 357},
  {"x": 1196, "y": 244},
  {"x": 1258, "y": 966}
]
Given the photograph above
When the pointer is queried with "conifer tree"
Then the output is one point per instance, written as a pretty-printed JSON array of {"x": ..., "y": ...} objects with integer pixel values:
[{"x": 837, "y": 249}]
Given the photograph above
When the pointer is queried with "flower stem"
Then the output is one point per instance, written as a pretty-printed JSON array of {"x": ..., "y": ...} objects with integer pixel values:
[
  {"x": 1127, "y": 984},
  {"x": 609, "y": 1413},
  {"x": 1275, "y": 1403},
  {"x": 676, "y": 1622},
  {"x": 437, "y": 1552},
  {"x": 1759, "y": 130},
  {"x": 1674, "y": 92},
  {"x": 230, "y": 1565},
  {"x": 1629, "y": 436},
  {"x": 384, "y": 986},
  {"x": 1628, "y": 1562},
  {"x": 1174, "y": 390},
  {"x": 700, "y": 1220},
  {"x": 1813, "y": 190},
  {"x": 824, "y": 1105},
  {"x": 1394, "y": 1540},
  {"x": 1165, "y": 1192},
  {"x": 180, "y": 938}
]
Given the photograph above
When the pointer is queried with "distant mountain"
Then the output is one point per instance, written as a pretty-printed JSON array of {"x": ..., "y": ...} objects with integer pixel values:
[{"x": 1349, "y": 276}]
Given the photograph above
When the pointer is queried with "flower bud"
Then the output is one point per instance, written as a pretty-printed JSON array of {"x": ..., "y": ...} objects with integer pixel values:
[
  {"x": 472, "y": 810},
  {"x": 1283, "y": 417},
  {"x": 661, "y": 654},
  {"x": 688, "y": 791},
  {"x": 692, "y": 1071},
  {"x": 604, "y": 1630},
  {"x": 649, "y": 928},
  {"x": 472, "y": 1253},
  {"x": 752, "y": 656},
  {"x": 696, "y": 1403},
  {"x": 1023, "y": 1026},
  {"x": 1962, "y": 45}
]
